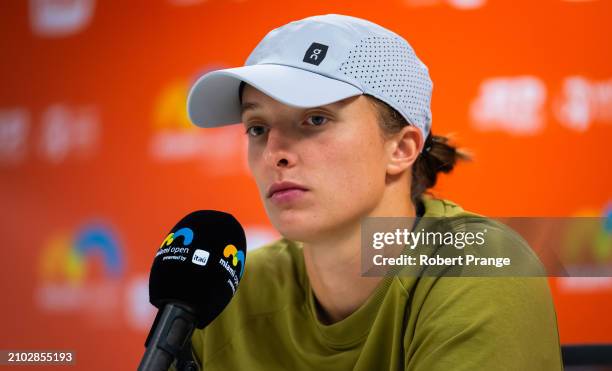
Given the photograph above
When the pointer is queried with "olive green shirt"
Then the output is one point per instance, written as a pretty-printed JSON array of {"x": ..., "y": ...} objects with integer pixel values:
[{"x": 408, "y": 323}]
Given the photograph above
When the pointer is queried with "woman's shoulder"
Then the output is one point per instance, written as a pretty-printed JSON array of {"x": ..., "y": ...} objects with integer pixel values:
[
  {"x": 439, "y": 207},
  {"x": 496, "y": 307},
  {"x": 480, "y": 246}
]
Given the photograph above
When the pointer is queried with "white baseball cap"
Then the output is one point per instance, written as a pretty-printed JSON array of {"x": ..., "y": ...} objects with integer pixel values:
[{"x": 317, "y": 61}]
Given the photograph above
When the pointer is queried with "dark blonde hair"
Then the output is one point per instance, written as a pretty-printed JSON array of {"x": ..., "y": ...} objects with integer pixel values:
[{"x": 438, "y": 155}]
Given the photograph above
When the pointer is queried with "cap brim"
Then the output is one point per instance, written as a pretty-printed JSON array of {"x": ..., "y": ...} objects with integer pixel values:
[{"x": 213, "y": 100}]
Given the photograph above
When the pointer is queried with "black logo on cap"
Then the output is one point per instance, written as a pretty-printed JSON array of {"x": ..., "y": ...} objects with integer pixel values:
[{"x": 315, "y": 54}]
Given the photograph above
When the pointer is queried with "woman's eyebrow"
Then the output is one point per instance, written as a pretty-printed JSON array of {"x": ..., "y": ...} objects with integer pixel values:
[{"x": 245, "y": 106}]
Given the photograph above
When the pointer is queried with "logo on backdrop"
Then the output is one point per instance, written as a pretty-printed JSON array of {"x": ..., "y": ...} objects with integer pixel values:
[
  {"x": 520, "y": 105},
  {"x": 81, "y": 272},
  {"x": 57, "y": 18},
  {"x": 66, "y": 132},
  {"x": 186, "y": 2},
  {"x": 174, "y": 139},
  {"x": 512, "y": 104},
  {"x": 597, "y": 243},
  {"x": 457, "y": 4},
  {"x": 69, "y": 132},
  {"x": 581, "y": 242},
  {"x": 14, "y": 130},
  {"x": 582, "y": 102}
]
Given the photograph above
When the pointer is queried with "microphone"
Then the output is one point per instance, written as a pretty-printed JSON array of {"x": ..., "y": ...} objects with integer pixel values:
[{"x": 195, "y": 274}]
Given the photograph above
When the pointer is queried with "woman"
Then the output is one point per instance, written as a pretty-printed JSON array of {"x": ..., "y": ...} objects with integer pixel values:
[{"x": 337, "y": 114}]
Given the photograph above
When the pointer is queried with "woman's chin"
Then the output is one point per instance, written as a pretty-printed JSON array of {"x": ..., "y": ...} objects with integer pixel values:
[{"x": 294, "y": 227}]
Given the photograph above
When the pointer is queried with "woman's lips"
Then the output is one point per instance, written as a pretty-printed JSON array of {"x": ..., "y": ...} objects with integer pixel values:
[
  {"x": 285, "y": 191},
  {"x": 287, "y": 195}
]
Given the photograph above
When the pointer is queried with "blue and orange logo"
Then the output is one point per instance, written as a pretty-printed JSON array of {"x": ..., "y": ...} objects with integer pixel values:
[
  {"x": 186, "y": 233},
  {"x": 589, "y": 238},
  {"x": 236, "y": 256},
  {"x": 71, "y": 258}
]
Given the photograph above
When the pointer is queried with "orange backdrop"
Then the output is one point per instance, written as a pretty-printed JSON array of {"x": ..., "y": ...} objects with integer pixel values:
[{"x": 98, "y": 160}]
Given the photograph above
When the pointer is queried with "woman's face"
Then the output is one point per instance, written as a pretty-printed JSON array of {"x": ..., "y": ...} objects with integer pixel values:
[{"x": 335, "y": 153}]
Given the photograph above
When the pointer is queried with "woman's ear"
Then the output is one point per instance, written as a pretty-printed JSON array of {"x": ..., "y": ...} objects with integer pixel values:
[{"x": 403, "y": 149}]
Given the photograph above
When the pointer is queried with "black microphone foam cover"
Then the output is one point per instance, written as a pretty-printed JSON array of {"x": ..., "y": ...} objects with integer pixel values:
[{"x": 199, "y": 264}]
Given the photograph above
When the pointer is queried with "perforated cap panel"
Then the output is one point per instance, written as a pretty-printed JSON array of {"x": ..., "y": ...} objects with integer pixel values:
[{"x": 389, "y": 69}]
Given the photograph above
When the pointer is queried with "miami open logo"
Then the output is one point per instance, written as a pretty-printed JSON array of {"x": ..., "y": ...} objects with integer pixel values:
[
  {"x": 176, "y": 252},
  {"x": 81, "y": 271},
  {"x": 186, "y": 233},
  {"x": 236, "y": 256}
]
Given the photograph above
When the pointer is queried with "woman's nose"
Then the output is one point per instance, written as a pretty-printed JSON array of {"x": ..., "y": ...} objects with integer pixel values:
[{"x": 278, "y": 152}]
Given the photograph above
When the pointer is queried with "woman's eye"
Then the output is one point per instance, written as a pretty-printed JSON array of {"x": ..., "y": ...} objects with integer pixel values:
[
  {"x": 255, "y": 130},
  {"x": 316, "y": 120}
]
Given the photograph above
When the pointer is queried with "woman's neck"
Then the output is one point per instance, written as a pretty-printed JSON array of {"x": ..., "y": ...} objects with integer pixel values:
[{"x": 333, "y": 266}]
